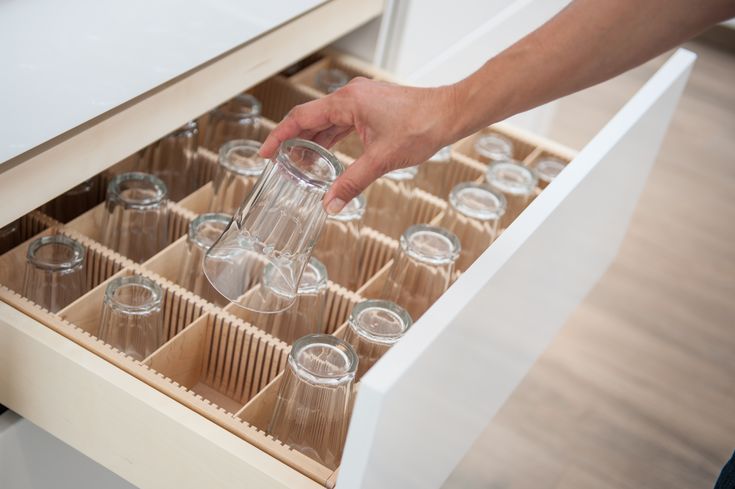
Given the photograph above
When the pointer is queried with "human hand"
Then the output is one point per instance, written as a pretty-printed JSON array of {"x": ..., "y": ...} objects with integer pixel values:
[{"x": 399, "y": 126}]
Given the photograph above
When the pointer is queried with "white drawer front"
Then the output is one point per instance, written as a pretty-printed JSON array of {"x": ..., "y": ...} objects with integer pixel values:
[{"x": 422, "y": 405}]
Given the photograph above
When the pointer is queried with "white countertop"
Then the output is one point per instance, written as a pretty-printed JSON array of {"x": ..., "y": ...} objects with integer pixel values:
[{"x": 65, "y": 63}]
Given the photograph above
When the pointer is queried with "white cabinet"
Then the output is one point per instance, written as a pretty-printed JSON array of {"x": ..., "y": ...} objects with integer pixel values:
[{"x": 422, "y": 405}]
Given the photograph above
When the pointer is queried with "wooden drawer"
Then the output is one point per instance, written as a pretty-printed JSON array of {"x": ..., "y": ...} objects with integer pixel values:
[{"x": 192, "y": 414}]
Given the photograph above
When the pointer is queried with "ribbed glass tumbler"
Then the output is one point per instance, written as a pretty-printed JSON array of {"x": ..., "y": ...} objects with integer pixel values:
[
  {"x": 373, "y": 328},
  {"x": 492, "y": 147},
  {"x": 422, "y": 269},
  {"x": 315, "y": 398},
  {"x": 203, "y": 232},
  {"x": 433, "y": 175},
  {"x": 473, "y": 215},
  {"x": 132, "y": 320},
  {"x": 239, "y": 168},
  {"x": 391, "y": 201},
  {"x": 136, "y": 218},
  {"x": 340, "y": 247},
  {"x": 306, "y": 315},
  {"x": 54, "y": 274},
  {"x": 516, "y": 182},
  {"x": 238, "y": 118},
  {"x": 277, "y": 225},
  {"x": 173, "y": 159},
  {"x": 330, "y": 80}
]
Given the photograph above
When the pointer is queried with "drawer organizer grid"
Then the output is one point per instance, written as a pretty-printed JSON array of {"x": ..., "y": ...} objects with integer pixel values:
[{"x": 213, "y": 360}]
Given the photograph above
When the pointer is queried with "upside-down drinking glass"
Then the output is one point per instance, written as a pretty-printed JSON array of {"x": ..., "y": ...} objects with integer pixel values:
[
  {"x": 547, "y": 169},
  {"x": 422, "y": 269},
  {"x": 278, "y": 224},
  {"x": 132, "y": 320},
  {"x": 373, "y": 328},
  {"x": 315, "y": 398},
  {"x": 173, "y": 159},
  {"x": 391, "y": 201},
  {"x": 54, "y": 275},
  {"x": 203, "y": 232},
  {"x": 492, "y": 146},
  {"x": 136, "y": 217},
  {"x": 340, "y": 247},
  {"x": 238, "y": 170},
  {"x": 329, "y": 80},
  {"x": 516, "y": 182},
  {"x": 433, "y": 175},
  {"x": 473, "y": 215},
  {"x": 238, "y": 118},
  {"x": 73, "y": 202},
  {"x": 306, "y": 315}
]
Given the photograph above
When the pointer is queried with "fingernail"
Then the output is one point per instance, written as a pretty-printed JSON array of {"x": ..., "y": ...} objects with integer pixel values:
[{"x": 335, "y": 206}]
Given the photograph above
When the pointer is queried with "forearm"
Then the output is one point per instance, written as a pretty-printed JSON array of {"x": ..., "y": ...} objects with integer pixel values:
[{"x": 588, "y": 42}]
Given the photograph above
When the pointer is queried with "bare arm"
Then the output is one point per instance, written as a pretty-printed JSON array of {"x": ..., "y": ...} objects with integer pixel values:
[{"x": 588, "y": 42}]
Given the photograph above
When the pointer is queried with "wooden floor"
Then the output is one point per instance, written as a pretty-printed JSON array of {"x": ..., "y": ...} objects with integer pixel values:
[{"x": 638, "y": 390}]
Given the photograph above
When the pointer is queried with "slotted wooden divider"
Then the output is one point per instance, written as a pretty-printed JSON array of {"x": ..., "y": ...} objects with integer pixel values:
[{"x": 215, "y": 358}]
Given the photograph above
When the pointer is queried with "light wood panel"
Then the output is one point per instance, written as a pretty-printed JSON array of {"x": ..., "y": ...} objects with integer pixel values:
[{"x": 638, "y": 390}]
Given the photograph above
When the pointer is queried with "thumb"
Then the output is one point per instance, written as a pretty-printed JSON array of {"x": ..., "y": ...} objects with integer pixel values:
[{"x": 351, "y": 183}]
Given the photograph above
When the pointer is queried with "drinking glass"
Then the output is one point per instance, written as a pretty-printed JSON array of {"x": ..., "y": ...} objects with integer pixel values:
[
  {"x": 306, "y": 315},
  {"x": 9, "y": 236},
  {"x": 278, "y": 224},
  {"x": 203, "y": 232},
  {"x": 391, "y": 209},
  {"x": 493, "y": 147},
  {"x": 547, "y": 169},
  {"x": 238, "y": 118},
  {"x": 173, "y": 159},
  {"x": 74, "y": 202},
  {"x": 422, "y": 269},
  {"x": 373, "y": 328},
  {"x": 238, "y": 170},
  {"x": 433, "y": 175},
  {"x": 315, "y": 398},
  {"x": 516, "y": 182},
  {"x": 136, "y": 218},
  {"x": 54, "y": 274},
  {"x": 132, "y": 320},
  {"x": 329, "y": 80},
  {"x": 340, "y": 247},
  {"x": 473, "y": 214}
]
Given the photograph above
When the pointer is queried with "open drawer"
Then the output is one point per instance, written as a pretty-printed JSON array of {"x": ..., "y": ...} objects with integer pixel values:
[{"x": 173, "y": 421}]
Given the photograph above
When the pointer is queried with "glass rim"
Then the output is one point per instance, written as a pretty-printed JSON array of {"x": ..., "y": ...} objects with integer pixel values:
[
  {"x": 76, "y": 260},
  {"x": 114, "y": 195},
  {"x": 453, "y": 249},
  {"x": 323, "y": 184},
  {"x": 250, "y": 144},
  {"x": 402, "y": 174},
  {"x": 190, "y": 128},
  {"x": 354, "y": 210},
  {"x": 344, "y": 350},
  {"x": 193, "y": 234},
  {"x": 255, "y": 111},
  {"x": 528, "y": 176},
  {"x": 443, "y": 156},
  {"x": 342, "y": 78},
  {"x": 403, "y": 317},
  {"x": 557, "y": 165},
  {"x": 133, "y": 281},
  {"x": 483, "y": 151},
  {"x": 479, "y": 214},
  {"x": 321, "y": 281}
]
